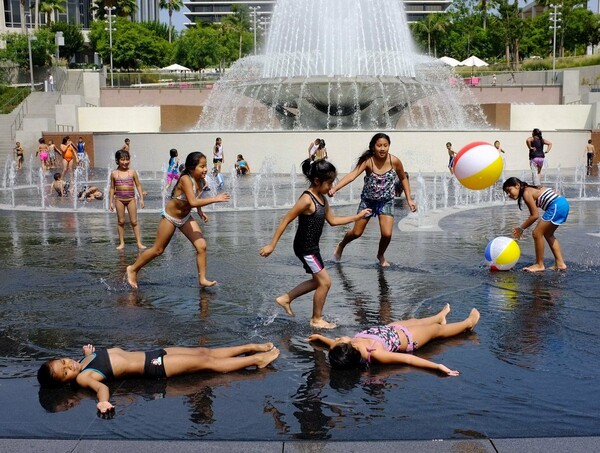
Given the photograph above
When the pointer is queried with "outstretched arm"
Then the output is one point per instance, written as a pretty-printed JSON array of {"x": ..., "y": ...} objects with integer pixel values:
[
  {"x": 348, "y": 178},
  {"x": 102, "y": 392},
  {"x": 301, "y": 205},
  {"x": 333, "y": 220},
  {"x": 323, "y": 339},
  {"x": 409, "y": 359}
]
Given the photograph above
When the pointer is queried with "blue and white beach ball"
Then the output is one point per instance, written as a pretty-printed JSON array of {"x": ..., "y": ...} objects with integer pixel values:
[
  {"x": 502, "y": 253},
  {"x": 477, "y": 165}
]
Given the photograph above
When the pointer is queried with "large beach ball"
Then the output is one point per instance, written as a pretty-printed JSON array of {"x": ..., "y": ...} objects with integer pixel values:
[
  {"x": 478, "y": 165},
  {"x": 502, "y": 253}
]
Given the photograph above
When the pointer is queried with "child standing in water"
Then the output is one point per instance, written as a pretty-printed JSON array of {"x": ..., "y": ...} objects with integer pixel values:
[
  {"x": 394, "y": 343},
  {"x": 380, "y": 169},
  {"x": 178, "y": 214},
  {"x": 556, "y": 211},
  {"x": 218, "y": 156},
  {"x": 173, "y": 169},
  {"x": 312, "y": 210},
  {"x": 123, "y": 183},
  {"x": 99, "y": 365}
]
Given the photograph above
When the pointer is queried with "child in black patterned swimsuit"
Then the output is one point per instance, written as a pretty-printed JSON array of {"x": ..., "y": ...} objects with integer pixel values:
[
  {"x": 105, "y": 364},
  {"x": 312, "y": 210}
]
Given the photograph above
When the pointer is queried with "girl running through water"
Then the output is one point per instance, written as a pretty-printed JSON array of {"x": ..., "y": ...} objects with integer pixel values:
[
  {"x": 312, "y": 210},
  {"x": 178, "y": 214}
]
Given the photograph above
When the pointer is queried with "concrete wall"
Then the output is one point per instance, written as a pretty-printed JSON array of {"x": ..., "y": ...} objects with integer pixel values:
[
  {"x": 422, "y": 151},
  {"x": 127, "y": 119},
  {"x": 540, "y": 95},
  {"x": 128, "y": 97},
  {"x": 552, "y": 117}
]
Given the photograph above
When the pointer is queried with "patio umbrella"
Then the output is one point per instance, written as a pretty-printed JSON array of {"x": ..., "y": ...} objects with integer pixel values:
[
  {"x": 176, "y": 68},
  {"x": 449, "y": 61},
  {"x": 473, "y": 61}
]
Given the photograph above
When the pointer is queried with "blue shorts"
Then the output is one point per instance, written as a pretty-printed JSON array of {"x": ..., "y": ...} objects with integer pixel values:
[
  {"x": 557, "y": 212},
  {"x": 377, "y": 207},
  {"x": 313, "y": 263}
]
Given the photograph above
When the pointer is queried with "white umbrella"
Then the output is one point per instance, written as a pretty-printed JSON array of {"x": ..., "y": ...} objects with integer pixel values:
[
  {"x": 473, "y": 61},
  {"x": 449, "y": 61},
  {"x": 176, "y": 68}
]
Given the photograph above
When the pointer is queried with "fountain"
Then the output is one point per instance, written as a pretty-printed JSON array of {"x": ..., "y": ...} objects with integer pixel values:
[{"x": 338, "y": 65}]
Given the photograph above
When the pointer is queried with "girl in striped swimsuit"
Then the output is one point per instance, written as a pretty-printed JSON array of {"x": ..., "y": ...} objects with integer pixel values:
[
  {"x": 395, "y": 342},
  {"x": 556, "y": 211},
  {"x": 123, "y": 183}
]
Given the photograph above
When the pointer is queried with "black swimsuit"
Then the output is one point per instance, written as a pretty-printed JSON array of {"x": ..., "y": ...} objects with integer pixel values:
[{"x": 100, "y": 364}]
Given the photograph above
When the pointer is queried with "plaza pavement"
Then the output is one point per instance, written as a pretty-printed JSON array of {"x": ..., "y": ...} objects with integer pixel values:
[{"x": 523, "y": 445}]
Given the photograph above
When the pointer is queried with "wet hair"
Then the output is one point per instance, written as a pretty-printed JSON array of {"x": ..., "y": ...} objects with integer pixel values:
[
  {"x": 191, "y": 161},
  {"x": 448, "y": 143},
  {"x": 590, "y": 141},
  {"x": 41, "y": 140},
  {"x": 121, "y": 154},
  {"x": 321, "y": 169},
  {"x": 173, "y": 152},
  {"x": 65, "y": 140},
  {"x": 371, "y": 151},
  {"x": 56, "y": 176},
  {"x": 45, "y": 377},
  {"x": 345, "y": 357},
  {"x": 536, "y": 133},
  {"x": 321, "y": 144},
  {"x": 127, "y": 140},
  {"x": 240, "y": 157},
  {"x": 512, "y": 182},
  {"x": 496, "y": 141}
]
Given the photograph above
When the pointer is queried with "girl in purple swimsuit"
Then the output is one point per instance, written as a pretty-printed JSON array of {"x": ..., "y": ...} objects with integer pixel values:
[
  {"x": 394, "y": 343},
  {"x": 178, "y": 215}
]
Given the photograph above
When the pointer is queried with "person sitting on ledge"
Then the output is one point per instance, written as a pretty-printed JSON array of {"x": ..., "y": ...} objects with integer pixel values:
[
  {"x": 104, "y": 364},
  {"x": 241, "y": 166}
]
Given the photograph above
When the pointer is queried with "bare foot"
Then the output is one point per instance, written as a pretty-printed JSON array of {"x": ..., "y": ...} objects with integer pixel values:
[
  {"x": 285, "y": 303},
  {"x": 267, "y": 357},
  {"x": 204, "y": 283},
  {"x": 383, "y": 262},
  {"x": 121, "y": 247},
  {"x": 534, "y": 268},
  {"x": 131, "y": 277},
  {"x": 558, "y": 267},
  {"x": 474, "y": 318},
  {"x": 142, "y": 246},
  {"x": 322, "y": 324},
  {"x": 262, "y": 347},
  {"x": 442, "y": 314},
  {"x": 337, "y": 254}
]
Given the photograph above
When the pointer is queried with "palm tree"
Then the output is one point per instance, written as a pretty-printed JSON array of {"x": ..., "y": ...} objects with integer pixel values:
[
  {"x": 171, "y": 5},
  {"x": 48, "y": 7},
  {"x": 238, "y": 22},
  {"x": 432, "y": 24},
  {"x": 124, "y": 8}
]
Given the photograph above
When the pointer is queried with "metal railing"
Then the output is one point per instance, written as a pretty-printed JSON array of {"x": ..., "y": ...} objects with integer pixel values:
[{"x": 18, "y": 121}]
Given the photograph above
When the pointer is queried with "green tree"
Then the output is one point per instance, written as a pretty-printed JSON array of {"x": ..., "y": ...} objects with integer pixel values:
[
  {"x": 134, "y": 46},
  {"x": 199, "y": 47},
  {"x": 17, "y": 49},
  {"x": 123, "y": 8},
  {"x": 511, "y": 26},
  {"x": 581, "y": 29},
  {"x": 74, "y": 41},
  {"x": 239, "y": 24},
  {"x": 170, "y": 6},
  {"x": 48, "y": 7},
  {"x": 432, "y": 26}
]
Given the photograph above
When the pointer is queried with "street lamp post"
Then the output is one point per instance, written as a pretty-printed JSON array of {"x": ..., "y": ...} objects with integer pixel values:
[
  {"x": 30, "y": 38},
  {"x": 254, "y": 12},
  {"x": 109, "y": 12},
  {"x": 554, "y": 17}
]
